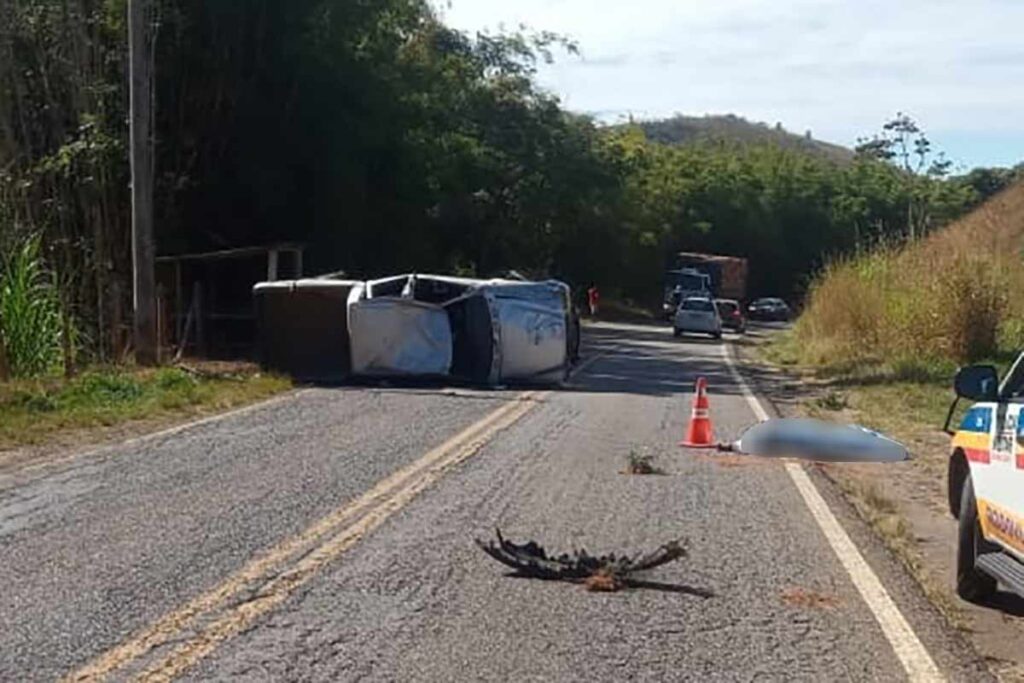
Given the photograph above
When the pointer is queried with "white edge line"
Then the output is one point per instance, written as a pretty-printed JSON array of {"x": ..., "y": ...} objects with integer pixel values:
[
  {"x": 755, "y": 405},
  {"x": 911, "y": 652}
]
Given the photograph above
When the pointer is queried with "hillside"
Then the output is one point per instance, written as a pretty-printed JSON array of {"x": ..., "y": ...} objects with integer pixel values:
[
  {"x": 687, "y": 129},
  {"x": 949, "y": 297}
]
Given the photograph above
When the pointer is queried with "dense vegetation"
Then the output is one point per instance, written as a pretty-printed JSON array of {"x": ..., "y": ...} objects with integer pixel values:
[
  {"x": 385, "y": 141},
  {"x": 36, "y": 410},
  {"x": 943, "y": 299}
]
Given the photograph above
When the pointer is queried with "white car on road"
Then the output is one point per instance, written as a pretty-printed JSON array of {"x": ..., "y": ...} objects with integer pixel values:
[{"x": 697, "y": 314}]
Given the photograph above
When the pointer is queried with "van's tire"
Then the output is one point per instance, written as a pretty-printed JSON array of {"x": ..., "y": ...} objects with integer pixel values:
[
  {"x": 972, "y": 584},
  {"x": 676, "y": 332},
  {"x": 717, "y": 335}
]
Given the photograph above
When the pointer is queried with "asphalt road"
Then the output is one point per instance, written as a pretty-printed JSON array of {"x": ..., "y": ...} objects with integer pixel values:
[{"x": 329, "y": 536}]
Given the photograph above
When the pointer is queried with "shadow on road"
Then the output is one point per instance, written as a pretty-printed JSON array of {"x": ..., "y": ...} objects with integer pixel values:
[
  {"x": 634, "y": 584},
  {"x": 669, "y": 588},
  {"x": 634, "y": 359},
  {"x": 649, "y": 361},
  {"x": 629, "y": 371}
]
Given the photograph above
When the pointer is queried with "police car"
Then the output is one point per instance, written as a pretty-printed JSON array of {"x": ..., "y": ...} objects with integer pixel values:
[{"x": 986, "y": 481}]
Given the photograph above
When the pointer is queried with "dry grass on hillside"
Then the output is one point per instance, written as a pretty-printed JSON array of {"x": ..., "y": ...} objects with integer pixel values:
[{"x": 952, "y": 296}]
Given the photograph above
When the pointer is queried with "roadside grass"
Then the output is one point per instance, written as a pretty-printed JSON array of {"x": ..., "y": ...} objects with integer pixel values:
[
  {"x": 905, "y": 398},
  {"x": 902, "y": 396},
  {"x": 947, "y": 298},
  {"x": 878, "y": 343},
  {"x": 832, "y": 401},
  {"x": 883, "y": 516},
  {"x": 35, "y": 411},
  {"x": 900, "y": 406}
]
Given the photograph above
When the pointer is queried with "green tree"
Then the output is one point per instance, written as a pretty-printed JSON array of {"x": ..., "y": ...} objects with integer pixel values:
[{"x": 904, "y": 144}]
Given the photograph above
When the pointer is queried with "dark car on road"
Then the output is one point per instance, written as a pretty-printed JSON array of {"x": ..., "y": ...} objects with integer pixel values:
[
  {"x": 732, "y": 315},
  {"x": 769, "y": 309}
]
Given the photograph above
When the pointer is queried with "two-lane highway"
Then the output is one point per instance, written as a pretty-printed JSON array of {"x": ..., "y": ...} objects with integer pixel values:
[{"x": 329, "y": 536}]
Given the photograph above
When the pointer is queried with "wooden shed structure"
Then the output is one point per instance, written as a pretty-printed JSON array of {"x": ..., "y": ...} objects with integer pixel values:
[{"x": 205, "y": 304}]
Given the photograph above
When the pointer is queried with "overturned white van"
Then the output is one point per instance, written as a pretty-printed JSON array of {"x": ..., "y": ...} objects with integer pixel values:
[{"x": 413, "y": 325}]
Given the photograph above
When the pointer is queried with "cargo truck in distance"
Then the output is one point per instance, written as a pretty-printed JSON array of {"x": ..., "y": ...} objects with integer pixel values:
[{"x": 709, "y": 275}]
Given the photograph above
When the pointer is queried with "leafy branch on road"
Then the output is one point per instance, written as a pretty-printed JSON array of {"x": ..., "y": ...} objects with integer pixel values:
[{"x": 641, "y": 463}]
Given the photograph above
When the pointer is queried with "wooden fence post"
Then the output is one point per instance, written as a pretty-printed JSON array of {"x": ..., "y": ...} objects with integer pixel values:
[
  {"x": 116, "y": 320},
  {"x": 197, "y": 302},
  {"x": 161, "y": 322},
  {"x": 179, "y": 303},
  {"x": 5, "y": 366}
]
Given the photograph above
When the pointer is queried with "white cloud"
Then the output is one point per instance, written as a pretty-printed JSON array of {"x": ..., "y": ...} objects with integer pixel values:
[{"x": 837, "y": 67}]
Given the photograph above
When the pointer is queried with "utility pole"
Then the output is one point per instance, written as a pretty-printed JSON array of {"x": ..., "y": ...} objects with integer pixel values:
[{"x": 143, "y": 247}]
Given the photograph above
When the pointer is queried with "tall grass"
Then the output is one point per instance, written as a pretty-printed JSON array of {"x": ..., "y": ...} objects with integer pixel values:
[
  {"x": 957, "y": 295},
  {"x": 30, "y": 311}
]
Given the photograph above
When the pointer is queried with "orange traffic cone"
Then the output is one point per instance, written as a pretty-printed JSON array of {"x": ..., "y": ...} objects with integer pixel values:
[{"x": 699, "y": 432}]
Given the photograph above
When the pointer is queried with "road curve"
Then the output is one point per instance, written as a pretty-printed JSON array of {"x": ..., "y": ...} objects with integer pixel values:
[{"x": 98, "y": 549}]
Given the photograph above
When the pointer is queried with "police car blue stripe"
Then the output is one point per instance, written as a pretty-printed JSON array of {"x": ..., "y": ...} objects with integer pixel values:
[{"x": 977, "y": 420}]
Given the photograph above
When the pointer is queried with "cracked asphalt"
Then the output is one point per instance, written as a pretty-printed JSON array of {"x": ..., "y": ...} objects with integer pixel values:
[{"x": 95, "y": 549}]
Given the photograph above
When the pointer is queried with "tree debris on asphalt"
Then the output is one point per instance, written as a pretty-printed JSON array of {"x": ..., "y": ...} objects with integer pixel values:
[
  {"x": 597, "y": 573},
  {"x": 641, "y": 463}
]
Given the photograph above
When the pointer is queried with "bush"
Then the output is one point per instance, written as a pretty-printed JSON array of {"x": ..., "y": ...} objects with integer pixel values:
[
  {"x": 944, "y": 298},
  {"x": 170, "y": 379},
  {"x": 30, "y": 312},
  {"x": 34, "y": 401},
  {"x": 102, "y": 389}
]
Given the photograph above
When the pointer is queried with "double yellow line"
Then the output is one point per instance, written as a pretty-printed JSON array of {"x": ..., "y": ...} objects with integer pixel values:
[{"x": 198, "y": 627}]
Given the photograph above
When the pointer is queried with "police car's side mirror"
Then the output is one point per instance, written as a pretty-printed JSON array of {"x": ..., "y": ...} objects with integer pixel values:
[{"x": 977, "y": 383}]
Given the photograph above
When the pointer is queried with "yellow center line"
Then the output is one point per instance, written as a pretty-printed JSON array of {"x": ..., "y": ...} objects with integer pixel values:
[
  {"x": 386, "y": 497},
  {"x": 277, "y": 590}
]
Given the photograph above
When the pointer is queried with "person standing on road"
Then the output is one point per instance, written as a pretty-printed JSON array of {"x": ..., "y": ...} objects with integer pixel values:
[{"x": 593, "y": 300}]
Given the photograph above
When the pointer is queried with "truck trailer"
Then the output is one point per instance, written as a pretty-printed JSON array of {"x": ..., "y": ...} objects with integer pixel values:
[
  {"x": 728, "y": 273},
  {"x": 711, "y": 275}
]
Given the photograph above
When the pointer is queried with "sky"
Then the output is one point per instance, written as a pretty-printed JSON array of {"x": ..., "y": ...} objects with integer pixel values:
[{"x": 839, "y": 68}]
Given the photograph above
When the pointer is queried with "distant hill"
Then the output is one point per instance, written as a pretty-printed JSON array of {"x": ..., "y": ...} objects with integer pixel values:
[{"x": 681, "y": 130}]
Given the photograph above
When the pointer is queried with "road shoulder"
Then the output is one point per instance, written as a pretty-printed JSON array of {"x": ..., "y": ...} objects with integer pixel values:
[
  {"x": 907, "y": 513},
  {"x": 48, "y": 421}
]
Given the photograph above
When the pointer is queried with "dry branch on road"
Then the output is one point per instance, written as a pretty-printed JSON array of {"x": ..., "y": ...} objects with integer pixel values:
[{"x": 601, "y": 573}]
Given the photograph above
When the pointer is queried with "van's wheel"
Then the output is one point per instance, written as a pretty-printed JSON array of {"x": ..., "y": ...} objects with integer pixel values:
[
  {"x": 716, "y": 335},
  {"x": 972, "y": 584},
  {"x": 676, "y": 332}
]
